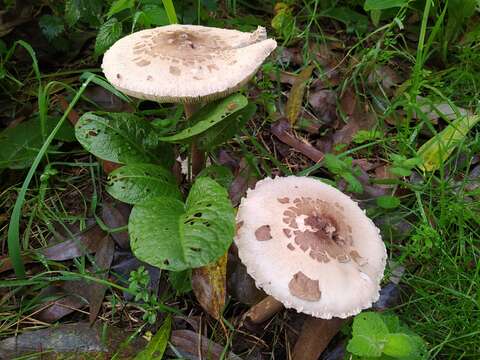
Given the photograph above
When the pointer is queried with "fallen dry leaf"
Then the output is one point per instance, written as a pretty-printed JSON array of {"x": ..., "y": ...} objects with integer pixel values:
[
  {"x": 115, "y": 215},
  {"x": 209, "y": 286},
  {"x": 103, "y": 260},
  {"x": 295, "y": 98},
  {"x": 324, "y": 105},
  {"x": 194, "y": 346},
  {"x": 281, "y": 130}
]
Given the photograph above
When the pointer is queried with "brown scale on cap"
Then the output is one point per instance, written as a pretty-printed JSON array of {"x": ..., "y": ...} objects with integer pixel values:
[
  {"x": 263, "y": 233},
  {"x": 304, "y": 288},
  {"x": 325, "y": 236}
]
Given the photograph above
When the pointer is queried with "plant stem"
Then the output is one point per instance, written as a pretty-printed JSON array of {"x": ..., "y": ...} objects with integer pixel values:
[{"x": 197, "y": 156}]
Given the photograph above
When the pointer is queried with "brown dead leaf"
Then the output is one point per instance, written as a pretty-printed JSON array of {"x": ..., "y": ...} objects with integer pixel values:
[
  {"x": 244, "y": 179},
  {"x": 281, "y": 130},
  {"x": 194, "y": 346},
  {"x": 103, "y": 260},
  {"x": 295, "y": 98},
  {"x": 209, "y": 286},
  {"x": 324, "y": 105},
  {"x": 315, "y": 336},
  {"x": 115, "y": 215}
]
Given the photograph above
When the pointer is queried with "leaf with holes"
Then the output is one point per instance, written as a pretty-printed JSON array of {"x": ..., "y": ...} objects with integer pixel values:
[
  {"x": 209, "y": 116},
  {"x": 122, "y": 138},
  {"x": 225, "y": 130},
  {"x": 135, "y": 183},
  {"x": 175, "y": 236}
]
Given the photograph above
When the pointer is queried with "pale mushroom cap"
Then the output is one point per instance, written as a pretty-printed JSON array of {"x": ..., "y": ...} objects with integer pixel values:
[
  {"x": 310, "y": 246},
  {"x": 185, "y": 63}
]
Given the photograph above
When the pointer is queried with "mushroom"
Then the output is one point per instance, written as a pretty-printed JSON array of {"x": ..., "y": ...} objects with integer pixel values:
[
  {"x": 310, "y": 246},
  {"x": 186, "y": 64}
]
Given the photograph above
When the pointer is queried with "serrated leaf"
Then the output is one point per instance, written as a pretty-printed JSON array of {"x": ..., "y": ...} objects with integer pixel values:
[
  {"x": 368, "y": 335},
  {"x": 154, "y": 15},
  {"x": 108, "y": 33},
  {"x": 437, "y": 150},
  {"x": 208, "y": 116},
  {"x": 19, "y": 145},
  {"x": 157, "y": 345},
  {"x": 398, "y": 345},
  {"x": 388, "y": 202},
  {"x": 87, "y": 10},
  {"x": 121, "y": 138},
  {"x": 225, "y": 130},
  {"x": 120, "y": 5},
  {"x": 135, "y": 183},
  {"x": 51, "y": 26},
  {"x": 175, "y": 236},
  {"x": 209, "y": 283},
  {"x": 295, "y": 98},
  {"x": 383, "y": 4}
]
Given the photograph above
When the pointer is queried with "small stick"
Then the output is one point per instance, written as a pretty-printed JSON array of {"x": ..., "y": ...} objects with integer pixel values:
[
  {"x": 263, "y": 310},
  {"x": 315, "y": 336}
]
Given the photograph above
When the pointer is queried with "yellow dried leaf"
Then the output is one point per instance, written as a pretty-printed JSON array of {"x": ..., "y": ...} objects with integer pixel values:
[{"x": 295, "y": 99}]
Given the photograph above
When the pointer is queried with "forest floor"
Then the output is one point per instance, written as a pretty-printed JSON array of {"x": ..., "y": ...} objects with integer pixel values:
[{"x": 349, "y": 96}]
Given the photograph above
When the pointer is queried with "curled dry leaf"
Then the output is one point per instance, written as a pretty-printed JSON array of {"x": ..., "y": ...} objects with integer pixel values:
[
  {"x": 115, "y": 215},
  {"x": 281, "y": 130},
  {"x": 209, "y": 286},
  {"x": 295, "y": 99}
]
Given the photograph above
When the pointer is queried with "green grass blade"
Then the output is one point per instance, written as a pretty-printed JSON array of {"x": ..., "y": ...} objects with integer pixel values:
[
  {"x": 171, "y": 13},
  {"x": 14, "y": 225}
]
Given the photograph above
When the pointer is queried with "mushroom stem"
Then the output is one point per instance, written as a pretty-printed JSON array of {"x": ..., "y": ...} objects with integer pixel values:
[
  {"x": 315, "y": 336},
  {"x": 263, "y": 310},
  {"x": 197, "y": 156}
]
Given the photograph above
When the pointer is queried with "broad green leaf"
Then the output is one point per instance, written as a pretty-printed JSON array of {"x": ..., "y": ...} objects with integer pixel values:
[
  {"x": 388, "y": 202},
  {"x": 209, "y": 116},
  {"x": 157, "y": 345},
  {"x": 120, "y": 5},
  {"x": 51, "y": 26},
  {"x": 437, "y": 150},
  {"x": 383, "y": 4},
  {"x": 181, "y": 280},
  {"x": 19, "y": 145},
  {"x": 175, "y": 236},
  {"x": 368, "y": 335},
  {"x": 295, "y": 98},
  {"x": 121, "y": 138},
  {"x": 225, "y": 130},
  {"x": 352, "y": 19},
  {"x": 221, "y": 174},
  {"x": 135, "y": 183},
  {"x": 108, "y": 33},
  {"x": 86, "y": 10},
  {"x": 154, "y": 15},
  {"x": 398, "y": 345}
]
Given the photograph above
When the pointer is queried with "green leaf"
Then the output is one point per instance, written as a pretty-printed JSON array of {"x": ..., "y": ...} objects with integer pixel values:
[
  {"x": 19, "y": 145},
  {"x": 221, "y": 174},
  {"x": 122, "y": 138},
  {"x": 437, "y": 150},
  {"x": 388, "y": 202},
  {"x": 209, "y": 116},
  {"x": 399, "y": 346},
  {"x": 108, "y": 33},
  {"x": 87, "y": 10},
  {"x": 120, "y": 5},
  {"x": 383, "y": 4},
  {"x": 181, "y": 280},
  {"x": 175, "y": 236},
  {"x": 352, "y": 19},
  {"x": 51, "y": 26},
  {"x": 154, "y": 15},
  {"x": 225, "y": 130},
  {"x": 157, "y": 345},
  {"x": 135, "y": 183},
  {"x": 170, "y": 8},
  {"x": 368, "y": 335}
]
